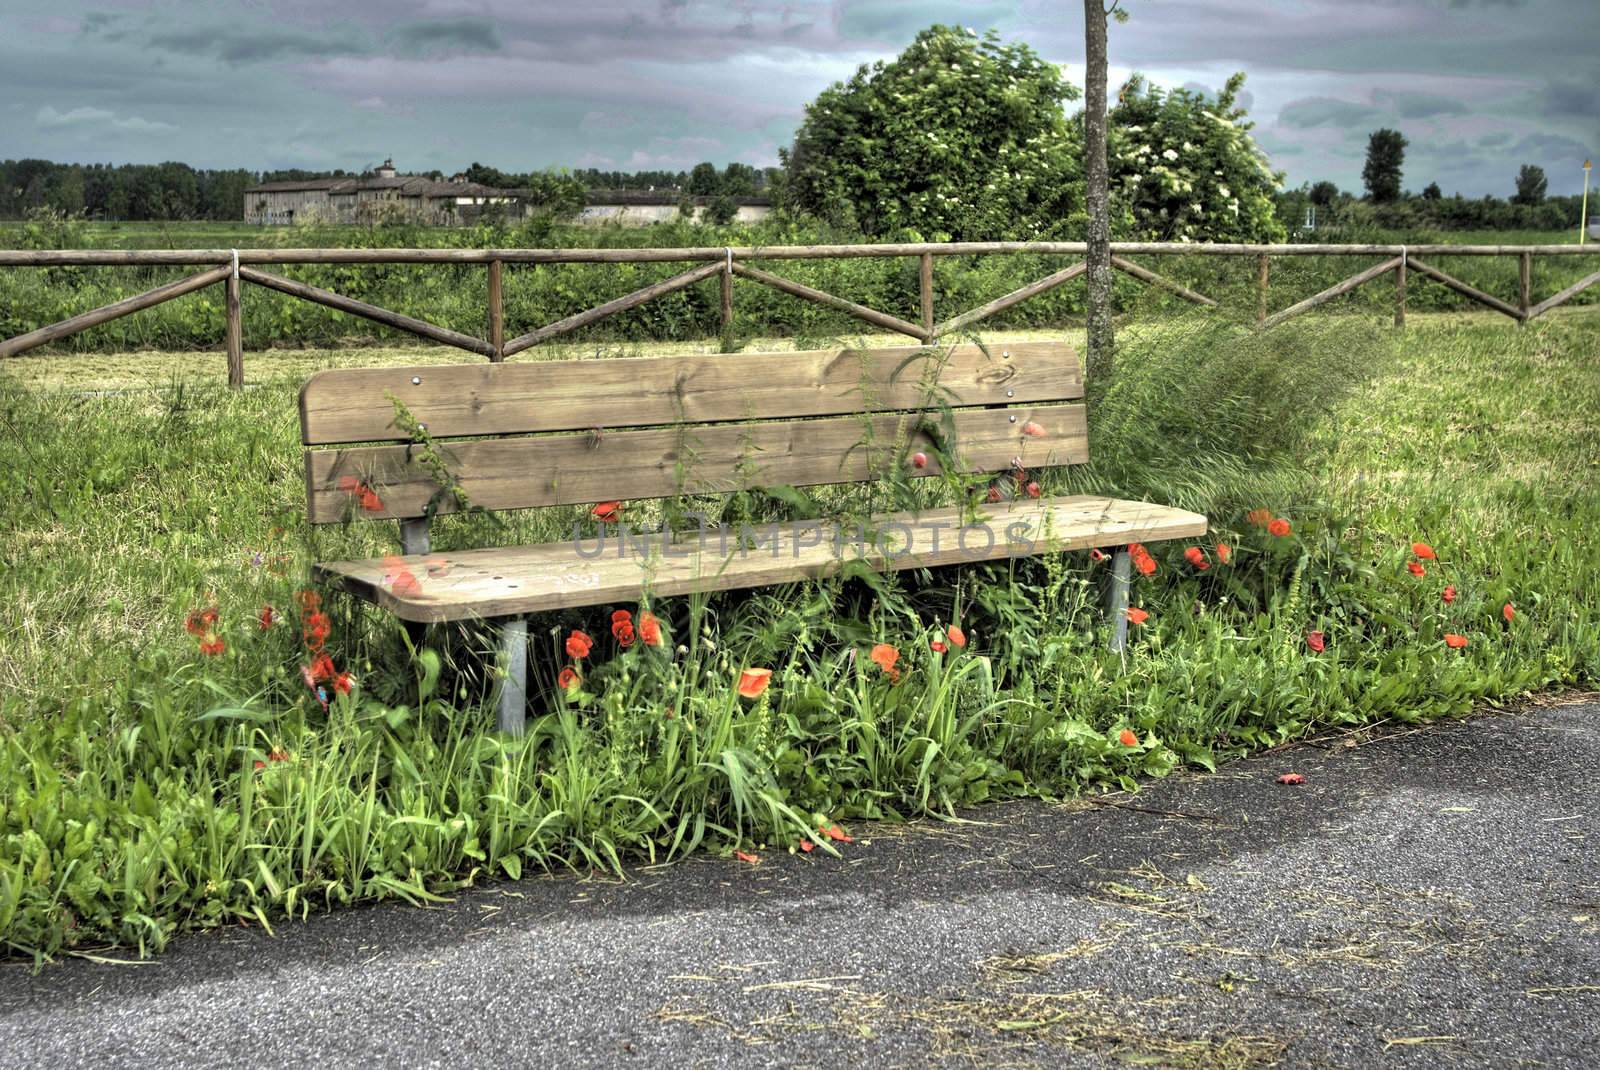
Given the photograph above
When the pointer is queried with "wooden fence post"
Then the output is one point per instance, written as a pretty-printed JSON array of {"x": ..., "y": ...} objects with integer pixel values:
[
  {"x": 233, "y": 334},
  {"x": 727, "y": 296},
  {"x": 1400, "y": 292},
  {"x": 1525, "y": 284},
  {"x": 925, "y": 284},
  {"x": 497, "y": 321},
  {"x": 1261, "y": 289}
]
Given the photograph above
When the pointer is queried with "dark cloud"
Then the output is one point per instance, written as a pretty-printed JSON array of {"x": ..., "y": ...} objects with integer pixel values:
[
  {"x": 1417, "y": 105},
  {"x": 1563, "y": 98},
  {"x": 1309, "y": 112},
  {"x": 897, "y": 21},
  {"x": 437, "y": 37},
  {"x": 252, "y": 44}
]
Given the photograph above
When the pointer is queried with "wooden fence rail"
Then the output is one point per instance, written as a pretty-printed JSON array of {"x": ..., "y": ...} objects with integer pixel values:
[{"x": 231, "y": 268}]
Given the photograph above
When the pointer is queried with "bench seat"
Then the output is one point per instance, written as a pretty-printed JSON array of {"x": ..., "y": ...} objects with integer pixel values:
[{"x": 518, "y": 580}]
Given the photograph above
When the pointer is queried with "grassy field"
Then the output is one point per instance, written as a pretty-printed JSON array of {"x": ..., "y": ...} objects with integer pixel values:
[{"x": 146, "y": 786}]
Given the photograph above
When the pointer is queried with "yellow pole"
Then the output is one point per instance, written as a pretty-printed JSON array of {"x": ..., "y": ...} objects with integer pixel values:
[{"x": 1583, "y": 213}]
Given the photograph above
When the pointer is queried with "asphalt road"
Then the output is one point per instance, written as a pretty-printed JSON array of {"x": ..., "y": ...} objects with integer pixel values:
[{"x": 1428, "y": 897}]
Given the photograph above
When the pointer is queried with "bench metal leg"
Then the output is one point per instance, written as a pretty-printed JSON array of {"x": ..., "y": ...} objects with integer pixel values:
[
  {"x": 513, "y": 710},
  {"x": 1117, "y": 599}
]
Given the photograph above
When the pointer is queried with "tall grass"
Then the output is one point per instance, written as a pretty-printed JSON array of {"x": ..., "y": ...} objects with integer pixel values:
[{"x": 146, "y": 788}]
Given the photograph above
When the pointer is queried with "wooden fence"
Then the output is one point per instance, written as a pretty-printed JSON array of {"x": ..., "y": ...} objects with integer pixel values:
[{"x": 232, "y": 268}]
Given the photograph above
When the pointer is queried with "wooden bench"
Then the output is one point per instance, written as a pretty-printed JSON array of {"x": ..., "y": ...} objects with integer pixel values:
[{"x": 570, "y": 432}]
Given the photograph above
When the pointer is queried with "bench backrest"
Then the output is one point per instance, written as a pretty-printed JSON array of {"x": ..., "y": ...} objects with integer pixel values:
[{"x": 566, "y": 432}]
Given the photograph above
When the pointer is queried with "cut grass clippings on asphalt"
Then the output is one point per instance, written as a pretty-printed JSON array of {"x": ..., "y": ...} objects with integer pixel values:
[{"x": 147, "y": 788}]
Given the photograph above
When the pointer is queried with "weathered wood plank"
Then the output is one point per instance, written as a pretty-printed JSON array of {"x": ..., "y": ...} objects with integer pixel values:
[
  {"x": 529, "y": 579},
  {"x": 352, "y": 405},
  {"x": 1467, "y": 291},
  {"x": 1564, "y": 296},
  {"x": 350, "y": 305},
  {"x": 1000, "y": 304},
  {"x": 1146, "y": 275},
  {"x": 822, "y": 297},
  {"x": 117, "y": 309},
  {"x": 568, "y": 469},
  {"x": 89, "y": 257},
  {"x": 610, "y": 308},
  {"x": 1338, "y": 290}
]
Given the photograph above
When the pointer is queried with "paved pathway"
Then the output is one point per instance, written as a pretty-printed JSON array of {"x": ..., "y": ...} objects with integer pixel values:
[{"x": 1427, "y": 898}]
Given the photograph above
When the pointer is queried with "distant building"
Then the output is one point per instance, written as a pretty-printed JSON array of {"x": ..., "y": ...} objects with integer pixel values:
[
  {"x": 384, "y": 196},
  {"x": 635, "y": 207},
  {"x": 381, "y": 196}
]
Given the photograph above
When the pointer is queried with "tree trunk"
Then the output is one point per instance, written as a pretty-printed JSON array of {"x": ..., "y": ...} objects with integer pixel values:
[{"x": 1102, "y": 339}]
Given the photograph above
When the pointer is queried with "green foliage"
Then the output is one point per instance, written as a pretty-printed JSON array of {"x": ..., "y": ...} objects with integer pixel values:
[
  {"x": 1185, "y": 168},
  {"x": 1531, "y": 185},
  {"x": 958, "y": 137},
  {"x": 1386, "y": 154},
  {"x": 132, "y": 805}
]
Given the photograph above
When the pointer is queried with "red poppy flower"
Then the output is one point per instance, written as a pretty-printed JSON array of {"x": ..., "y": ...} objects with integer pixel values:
[
  {"x": 1127, "y": 738},
  {"x": 1136, "y": 615},
  {"x": 1416, "y": 568},
  {"x": 260, "y": 764},
  {"x": 370, "y": 500},
  {"x": 1096, "y": 555},
  {"x": 314, "y": 629},
  {"x": 750, "y": 858},
  {"x": 1278, "y": 527},
  {"x": 754, "y": 681},
  {"x": 343, "y": 682},
  {"x": 956, "y": 635},
  {"x": 1196, "y": 557},
  {"x": 1508, "y": 611},
  {"x": 1449, "y": 594},
  {"x": 884, "y": 656},
  {"x": 349, "y": 484},
  {"x": 322, "y": 668},
  {"x": 1033, "y": 430},
  {"x": 1454, "y": 642},
  {"x": 649, "y": 628},
  {"x": 608, "y": 512},
  {"x": 193, "y": 624},
  {"x": 1424, "y": 551},
  {"x": 268, "y": 617},
  {"x": 1316, "y": 642},
  {"x": 1259, "y": 517},
  {"x": 994, "y": 493},
  {"x": 405, "y": 583},
  {"x": 1032, "y": 489},
  {"x": 1291, "y": 778},
  {"x": 1224, "y": 552},
  {"x": 807, "y": 846},
  {"x": 622, "y": 628},
  {"x": 835, "y": 833},
  {"x": 211, "y": 645},
  {"x": 938, "y": 646},
  {"x": 1144, "y": 563},
  {"x": 568, "y": 679},
  {"x": 919, "y": 460},
  {"x": 578, "y": 644}
]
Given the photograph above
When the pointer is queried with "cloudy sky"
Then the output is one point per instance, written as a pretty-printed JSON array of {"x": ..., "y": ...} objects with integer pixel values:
[{"x": 1478, "y": 86}]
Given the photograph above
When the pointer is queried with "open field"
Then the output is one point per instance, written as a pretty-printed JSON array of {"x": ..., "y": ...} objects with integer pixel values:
[{"x": 134, "y": 807}]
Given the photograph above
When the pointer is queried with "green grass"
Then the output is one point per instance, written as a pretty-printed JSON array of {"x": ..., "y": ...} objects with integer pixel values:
[{"x": 130, "y": 802}]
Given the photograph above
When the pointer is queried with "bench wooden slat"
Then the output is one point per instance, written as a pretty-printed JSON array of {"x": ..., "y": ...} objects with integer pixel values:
[
  {"x": 520, "y": 473},
  {"x": 512, "y": 581},
  {"x": 352, "y": 405}
]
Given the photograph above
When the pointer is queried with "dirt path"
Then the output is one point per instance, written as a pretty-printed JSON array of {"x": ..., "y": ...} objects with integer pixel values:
[{"x": 1427, "y": 898}]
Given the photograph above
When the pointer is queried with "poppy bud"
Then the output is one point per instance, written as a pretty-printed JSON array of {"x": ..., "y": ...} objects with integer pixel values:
[{"x": 919, "y": 460}]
